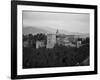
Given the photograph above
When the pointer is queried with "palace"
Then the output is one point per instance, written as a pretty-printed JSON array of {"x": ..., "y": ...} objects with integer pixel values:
[
  {"x": 60, "y": 39},
  {"x": 53, "y": 39}
]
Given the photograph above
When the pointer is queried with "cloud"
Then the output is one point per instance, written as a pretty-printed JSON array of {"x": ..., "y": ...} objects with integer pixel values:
[{"x": 68, "y": 21}]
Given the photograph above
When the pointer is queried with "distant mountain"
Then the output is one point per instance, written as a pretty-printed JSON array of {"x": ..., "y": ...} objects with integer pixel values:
[{"x": 34, "y": 30}]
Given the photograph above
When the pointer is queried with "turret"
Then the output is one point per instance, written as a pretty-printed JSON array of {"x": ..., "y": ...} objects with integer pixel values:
[{"x": 57, "y": 33}]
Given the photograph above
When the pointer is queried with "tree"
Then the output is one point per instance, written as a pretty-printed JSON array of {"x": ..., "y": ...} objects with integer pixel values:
[
  {"x": 86, "y": 41},
  {"x": 30, "y": 37},
  {"x": 40, "y": 36},
  {"x": 25, "y": 37}
]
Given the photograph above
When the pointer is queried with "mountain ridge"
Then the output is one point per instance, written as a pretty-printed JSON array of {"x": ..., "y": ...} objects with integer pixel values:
[{"x": 35, "y": 30}]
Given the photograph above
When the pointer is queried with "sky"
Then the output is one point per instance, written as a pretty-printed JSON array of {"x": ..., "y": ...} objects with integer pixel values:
[{"x": 72, "y": 22}]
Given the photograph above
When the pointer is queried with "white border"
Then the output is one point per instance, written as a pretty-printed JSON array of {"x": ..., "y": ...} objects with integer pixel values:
[{"x": 21, "y": 71}]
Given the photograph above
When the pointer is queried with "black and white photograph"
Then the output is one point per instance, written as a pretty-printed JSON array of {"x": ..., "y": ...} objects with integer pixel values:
[{"x": 53, "y": 39}]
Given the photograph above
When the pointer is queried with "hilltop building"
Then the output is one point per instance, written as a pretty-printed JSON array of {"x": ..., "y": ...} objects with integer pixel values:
[
  {"x": 60, "y": 39},
  {"x": 40, "y": 44},
  {"x": 51, "y": 40},
  {"x": 78, "y": 44},
  {"x": 25, "y": 44}
]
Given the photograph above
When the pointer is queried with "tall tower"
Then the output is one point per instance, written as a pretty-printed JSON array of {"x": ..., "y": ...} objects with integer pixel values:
[
  {"x": 57, "y": 33},
  {"x": 51, "y": 40},
  {"x": 57, "y": 37}
]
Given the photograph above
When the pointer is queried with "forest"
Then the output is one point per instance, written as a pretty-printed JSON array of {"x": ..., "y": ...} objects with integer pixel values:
[{"x": 58, "y": 56}]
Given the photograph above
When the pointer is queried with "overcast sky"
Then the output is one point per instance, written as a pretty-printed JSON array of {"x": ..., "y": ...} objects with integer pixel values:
[{"x": 66, "y": 21}]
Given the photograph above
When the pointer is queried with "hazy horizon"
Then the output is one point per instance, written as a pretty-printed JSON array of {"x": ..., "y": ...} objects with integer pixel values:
[{"x": 71, "y": 22}]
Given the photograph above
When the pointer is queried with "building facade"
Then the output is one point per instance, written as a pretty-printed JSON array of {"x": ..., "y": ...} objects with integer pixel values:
[
  {"x": 40, "y": 44},
  {"x": 59, "y": 39},
  {"x": 51, "y": 40}
]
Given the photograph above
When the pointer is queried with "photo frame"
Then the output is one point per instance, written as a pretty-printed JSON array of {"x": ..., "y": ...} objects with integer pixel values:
[{"x": 40, "y": 14}]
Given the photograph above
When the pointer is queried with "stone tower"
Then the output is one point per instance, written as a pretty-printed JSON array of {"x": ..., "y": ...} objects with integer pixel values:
[
  {"x": 51, "y": 40},
  {"x": 57, "y": 33},
  {"x": 57, "y": 36}
]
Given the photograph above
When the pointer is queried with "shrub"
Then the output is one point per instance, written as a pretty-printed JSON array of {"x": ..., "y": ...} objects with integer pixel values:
[{"x": 56, "y": 57}]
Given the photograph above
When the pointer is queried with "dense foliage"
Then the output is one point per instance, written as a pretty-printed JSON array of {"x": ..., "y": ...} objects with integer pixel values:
[
  {"x": 55, "y": 57},
  {"x": 33, "y": 38}
]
